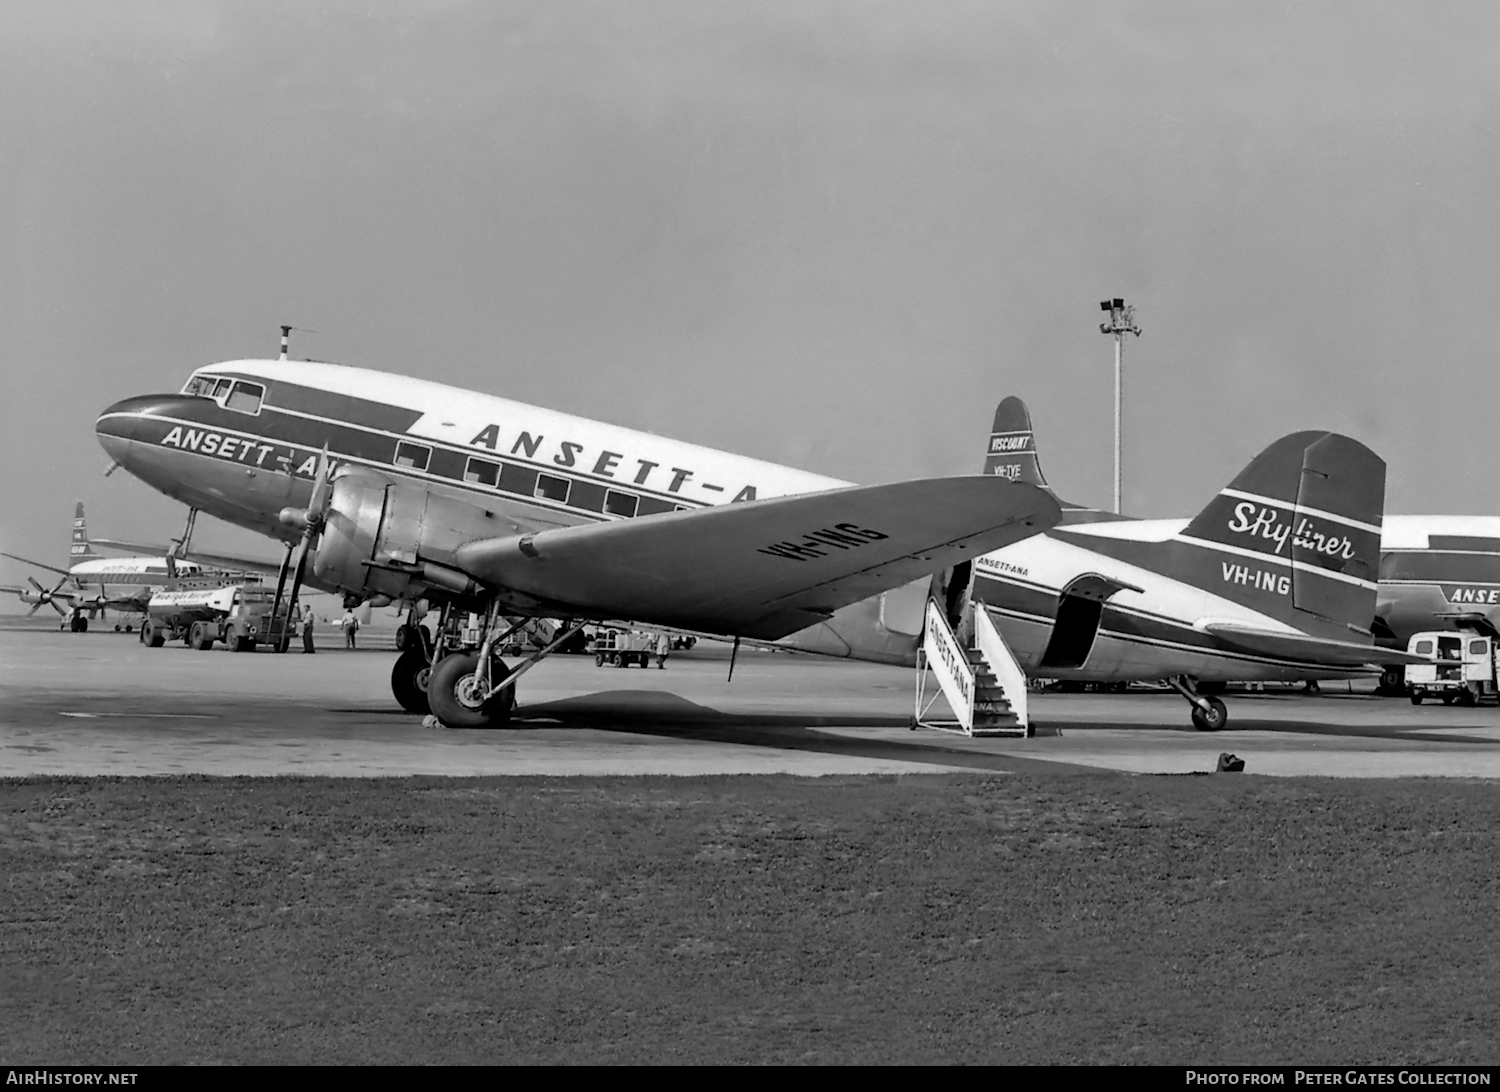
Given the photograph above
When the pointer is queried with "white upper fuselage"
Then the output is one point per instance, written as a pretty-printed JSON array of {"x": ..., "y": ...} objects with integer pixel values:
[{"x": 130, "y": 572}]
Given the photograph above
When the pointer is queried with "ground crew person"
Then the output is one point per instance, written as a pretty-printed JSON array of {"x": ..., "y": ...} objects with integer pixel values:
[
  {"x": 350, "y": 625},
  {"x": 663, "y": 646},
  {"x": 307, "y": 630}
]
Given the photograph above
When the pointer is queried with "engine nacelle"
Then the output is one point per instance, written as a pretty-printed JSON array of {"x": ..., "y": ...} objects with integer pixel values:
[{"x": 398, "y": 541}]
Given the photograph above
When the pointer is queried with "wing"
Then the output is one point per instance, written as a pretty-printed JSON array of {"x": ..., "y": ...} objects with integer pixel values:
[
  {"x": 1314, "y": 650},
  {"x": 38, "y": 564},
  {"x": 763, "y": 569},
  {"x": 218, "y": 561}
]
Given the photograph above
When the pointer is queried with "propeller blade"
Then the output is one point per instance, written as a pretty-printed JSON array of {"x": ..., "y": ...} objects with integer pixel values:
[
  {"x": 37, "y": 585},
  {"x": 322, "y": 490},
  {"x": 55, "y": 606},
  {"x": 36, "y": 608}
]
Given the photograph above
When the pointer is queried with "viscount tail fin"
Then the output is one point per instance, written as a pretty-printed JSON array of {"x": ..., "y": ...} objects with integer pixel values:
[
  {"x": 80, "y": 549},
  {"x": 1012, "y": 447},
  {"x": 1296, "y": 535},
  {"x": 1012, "y": 454}
]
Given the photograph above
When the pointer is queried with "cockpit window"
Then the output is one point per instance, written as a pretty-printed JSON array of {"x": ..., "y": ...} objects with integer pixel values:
[
  {"x": 201, "y": 385},
  {"x": 246, "y": 398},
  {"x": 221, "y": 388}
]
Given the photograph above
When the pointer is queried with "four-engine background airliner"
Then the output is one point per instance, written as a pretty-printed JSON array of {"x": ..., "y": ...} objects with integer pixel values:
[{"x": 99, "y": 584}]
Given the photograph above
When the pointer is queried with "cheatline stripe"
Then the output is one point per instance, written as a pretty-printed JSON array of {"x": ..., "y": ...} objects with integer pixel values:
[
  {"x": 477, "y": 493},
  {"x": 1210, "y": 651},
  {"x": 1301, "y": 509},
  {"x": 1300, "y": 566},
  {"x": 435, "y": 443},
  {"x": 1170, "y": 620},
  {"x": 571, "y": 474}
]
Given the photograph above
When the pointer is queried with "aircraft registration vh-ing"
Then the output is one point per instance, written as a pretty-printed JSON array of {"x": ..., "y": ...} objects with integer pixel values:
[{"x": 387, "y": 487}]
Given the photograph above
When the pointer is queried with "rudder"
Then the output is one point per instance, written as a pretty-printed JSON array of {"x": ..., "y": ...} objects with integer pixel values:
[{"x": 1296, "y": 534}]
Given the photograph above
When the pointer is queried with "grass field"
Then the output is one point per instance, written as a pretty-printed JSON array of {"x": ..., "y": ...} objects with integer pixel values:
[{"x": 1213, "y": 919}]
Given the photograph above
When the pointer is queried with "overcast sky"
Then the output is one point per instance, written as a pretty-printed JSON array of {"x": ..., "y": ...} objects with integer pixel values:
[{"x": 828, "y": 234}]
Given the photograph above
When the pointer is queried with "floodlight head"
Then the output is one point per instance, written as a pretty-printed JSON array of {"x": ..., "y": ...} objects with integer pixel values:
[
  {"x": 1104, "y": 305},
  {"x": 1118, "y": 304}
]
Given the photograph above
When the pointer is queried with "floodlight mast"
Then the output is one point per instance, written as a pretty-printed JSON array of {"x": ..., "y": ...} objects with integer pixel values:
[{"x": 1121, "y": 322}]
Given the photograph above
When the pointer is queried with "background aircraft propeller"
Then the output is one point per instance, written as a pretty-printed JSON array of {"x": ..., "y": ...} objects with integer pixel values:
[{"x": 45, "y": 597}]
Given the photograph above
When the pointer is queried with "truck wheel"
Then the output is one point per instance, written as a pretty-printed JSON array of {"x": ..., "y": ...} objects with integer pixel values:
[
  {"x": 409, "y": 676},
  {"x": 151, "y": 635},
  {"x": 238, "y": 643},
  {"x": 598, "y": 659},
  {"x": 455, "y": 698},
  {"x": 200, "y": 638}
]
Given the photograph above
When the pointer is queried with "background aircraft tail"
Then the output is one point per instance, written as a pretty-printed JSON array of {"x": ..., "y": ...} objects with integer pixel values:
[
  {"x": 1012, "y": 454},
  {"x": 80, "y": 549},
  {"x": 1296, "y": 535}
]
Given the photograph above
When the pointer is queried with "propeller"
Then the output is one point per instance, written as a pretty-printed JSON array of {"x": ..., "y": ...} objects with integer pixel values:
[
  {"x": 311, "y": 520},
  {"x": 45, "y": 597}
]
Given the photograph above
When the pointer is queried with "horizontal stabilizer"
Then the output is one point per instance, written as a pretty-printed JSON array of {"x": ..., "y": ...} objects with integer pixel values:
[
  {"x": 1315, "y": 651},
  {"x": 768, "y": 568}
]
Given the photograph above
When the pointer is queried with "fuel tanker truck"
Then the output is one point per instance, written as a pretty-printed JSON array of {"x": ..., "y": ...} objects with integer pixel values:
[{"x": 239, "y": 615}]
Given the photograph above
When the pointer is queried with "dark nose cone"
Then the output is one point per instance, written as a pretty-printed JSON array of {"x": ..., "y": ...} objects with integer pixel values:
[{"x": 138, "y": 419}]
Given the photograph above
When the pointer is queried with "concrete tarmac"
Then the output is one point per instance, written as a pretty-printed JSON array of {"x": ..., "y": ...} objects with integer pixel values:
[{"x": 100, "y": 703}]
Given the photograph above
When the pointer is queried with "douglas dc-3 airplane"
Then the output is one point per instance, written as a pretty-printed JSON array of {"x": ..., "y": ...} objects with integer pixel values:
[
  {"x": 1275, "y": 579},
  {"x": 388, "y": 488}
]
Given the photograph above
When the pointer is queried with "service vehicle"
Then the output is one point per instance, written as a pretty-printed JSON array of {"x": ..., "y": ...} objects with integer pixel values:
[
  {"x": 239, "y": 615},
  {"x": 621, "y": 648},
  {"x": 1462, "y": 668}
]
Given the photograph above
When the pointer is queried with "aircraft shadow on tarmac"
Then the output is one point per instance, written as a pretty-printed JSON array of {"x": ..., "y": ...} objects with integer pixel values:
[{"x": 668, "y": 716}]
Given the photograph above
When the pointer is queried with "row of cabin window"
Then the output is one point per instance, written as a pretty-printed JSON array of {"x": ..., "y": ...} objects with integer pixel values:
[
  {"x": 548, "y": 487},
  {"x": 232, "y": 394}
]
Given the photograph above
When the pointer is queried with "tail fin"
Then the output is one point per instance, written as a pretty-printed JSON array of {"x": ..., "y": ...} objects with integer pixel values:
[
  {"x": 1298, "y": 533},
  {"x": 80, "y": 549},
  {"x": 1012, "y": 451},
  {"x": 1012, "y": 454}
]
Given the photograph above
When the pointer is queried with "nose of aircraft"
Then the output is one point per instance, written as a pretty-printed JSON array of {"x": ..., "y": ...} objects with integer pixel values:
[{"x": 129, "y": 420}]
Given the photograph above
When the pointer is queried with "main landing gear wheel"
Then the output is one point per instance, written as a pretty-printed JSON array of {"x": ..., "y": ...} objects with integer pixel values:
[
  {"x": 78, "y": 624},
  {"x": 409, "y": 678},
  {"x": 1211, "y": 719},
  {"x": 457, "y": 699}
]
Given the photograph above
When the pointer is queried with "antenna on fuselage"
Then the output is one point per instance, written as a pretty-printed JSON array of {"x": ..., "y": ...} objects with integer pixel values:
[{"x": 286, "y": 338}]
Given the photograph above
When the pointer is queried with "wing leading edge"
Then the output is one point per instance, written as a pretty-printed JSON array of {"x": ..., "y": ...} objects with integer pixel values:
[{"x": 764, "y": 569}]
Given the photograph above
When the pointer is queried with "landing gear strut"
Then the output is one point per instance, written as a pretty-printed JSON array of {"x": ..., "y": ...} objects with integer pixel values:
[
  {"x": 464, "y": 686},
  {"x": 1209, "y": 713}
]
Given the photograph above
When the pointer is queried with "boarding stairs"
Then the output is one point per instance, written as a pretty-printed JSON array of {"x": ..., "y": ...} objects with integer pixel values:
[{"x": 983, "y": 685}]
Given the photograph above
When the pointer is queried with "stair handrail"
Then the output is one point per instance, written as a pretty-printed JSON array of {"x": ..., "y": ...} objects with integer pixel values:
[{"x": 997, "y": 654}]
